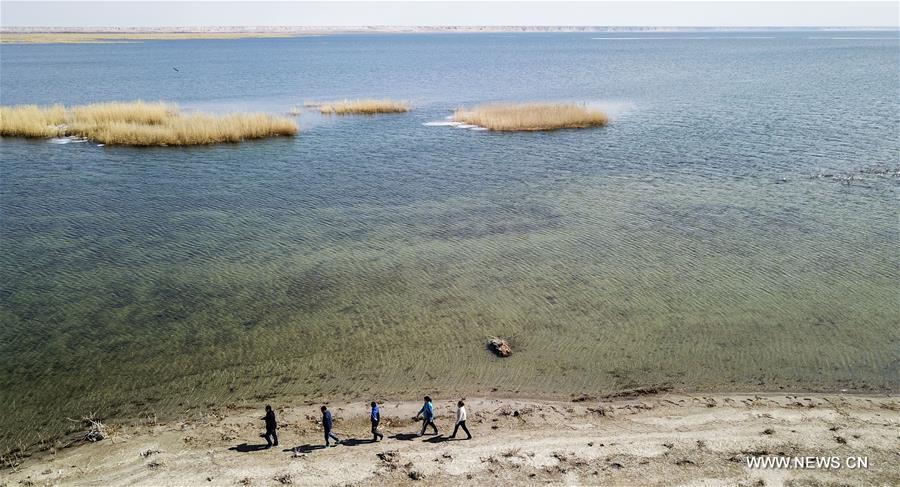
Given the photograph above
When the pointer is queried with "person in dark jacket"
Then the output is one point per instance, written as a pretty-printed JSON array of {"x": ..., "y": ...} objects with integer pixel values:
[
  {"x": 427, "y": 414},
  {"x": 271, "y": 426},
  {"x": 376, "y": 418},
  {"x": 328, "y": 424}
]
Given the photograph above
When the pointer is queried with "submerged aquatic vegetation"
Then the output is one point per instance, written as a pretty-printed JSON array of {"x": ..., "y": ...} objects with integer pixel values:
[
  {"x": 531, "y": 116},
  {"x": 363, "y": 107},
  {"x": 140, "y": 123}
]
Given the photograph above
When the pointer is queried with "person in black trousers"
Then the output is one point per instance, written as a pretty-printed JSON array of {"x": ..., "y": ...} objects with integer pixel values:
[
  {"x": 427, "y": 414},
  {"x": 461, "y": 420},
  {"x": 271, "y": 426},
  {"x": 376, "y": 418}
]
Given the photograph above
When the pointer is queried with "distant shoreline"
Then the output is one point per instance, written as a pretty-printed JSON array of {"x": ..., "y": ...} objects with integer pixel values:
[
  {"x": 82, "y": 35},
  {"x": 409, "y": 29}
]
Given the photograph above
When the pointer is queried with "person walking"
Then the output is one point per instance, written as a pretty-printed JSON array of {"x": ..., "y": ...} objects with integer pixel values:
[
  {"x": 461, "y": 420},
  {"x": 376, "y": 418},
  {"x": 328, "y": 424},
  {"x": 271, "y": 426},
  {"x": 427, "y": 414}
]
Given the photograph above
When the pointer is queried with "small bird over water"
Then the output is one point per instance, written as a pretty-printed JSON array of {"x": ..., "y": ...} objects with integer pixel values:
[{"x": 176, "y": 69}]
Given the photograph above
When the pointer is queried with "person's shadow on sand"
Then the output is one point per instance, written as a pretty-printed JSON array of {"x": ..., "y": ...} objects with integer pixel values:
[
  {"x": 355, "y": 442},
  {"x": 405, "y": 436},
  {"x": 437, "y": 439},
  {"x": 304, "y": 449},
  {"x": 245, "y": 448}
]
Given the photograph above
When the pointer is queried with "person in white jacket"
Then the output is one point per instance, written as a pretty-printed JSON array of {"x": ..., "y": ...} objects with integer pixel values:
[{"x": 461, "y": 420}]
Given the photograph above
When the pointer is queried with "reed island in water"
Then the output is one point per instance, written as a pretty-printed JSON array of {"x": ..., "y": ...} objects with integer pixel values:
[{"x": 139, "y": 124}]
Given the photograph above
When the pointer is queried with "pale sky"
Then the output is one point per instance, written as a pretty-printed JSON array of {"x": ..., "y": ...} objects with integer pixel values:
[{"x": 73, "y": 13}]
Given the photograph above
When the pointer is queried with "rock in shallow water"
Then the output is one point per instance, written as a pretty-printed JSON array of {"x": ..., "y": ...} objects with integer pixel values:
[{"x": 500, "y": 347}]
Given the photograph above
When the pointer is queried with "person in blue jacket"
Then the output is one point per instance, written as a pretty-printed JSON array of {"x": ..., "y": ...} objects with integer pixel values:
[
  {"x": 376, "y": 418},
  {"x": 328, "y": 424},
  {"x": 427, "y": 414}
]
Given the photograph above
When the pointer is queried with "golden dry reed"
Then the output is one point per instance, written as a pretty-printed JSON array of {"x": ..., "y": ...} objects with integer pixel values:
[
  {"x": 100, "y": 37},
  {"x": 140, "y": 123},
  {"x": 137, "y": 112},
  {"x": 32, "y": 121},
  {"x": 531, "y": 116},
  {"x": 363, "y": 107}
]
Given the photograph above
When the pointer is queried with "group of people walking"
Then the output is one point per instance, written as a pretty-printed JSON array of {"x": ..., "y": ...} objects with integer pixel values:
[{"x": 426, "y": 414}]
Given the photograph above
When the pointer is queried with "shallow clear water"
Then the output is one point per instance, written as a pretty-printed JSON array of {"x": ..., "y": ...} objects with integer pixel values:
[{"x": 701, "y": 240}]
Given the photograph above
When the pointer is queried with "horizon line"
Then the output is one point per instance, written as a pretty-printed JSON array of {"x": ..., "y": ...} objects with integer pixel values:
[{"x": 102, "y": 28}]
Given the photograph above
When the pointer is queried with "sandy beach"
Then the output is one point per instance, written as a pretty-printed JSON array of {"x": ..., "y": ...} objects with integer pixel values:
[{"x": 660, "y": 439}]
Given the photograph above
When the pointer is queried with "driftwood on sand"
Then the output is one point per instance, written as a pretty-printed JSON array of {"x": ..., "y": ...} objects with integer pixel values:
[{"x": 96, "y": 430}]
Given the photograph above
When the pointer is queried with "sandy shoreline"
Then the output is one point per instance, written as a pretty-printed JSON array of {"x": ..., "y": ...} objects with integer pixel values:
[{"x": 663, "y": 439}]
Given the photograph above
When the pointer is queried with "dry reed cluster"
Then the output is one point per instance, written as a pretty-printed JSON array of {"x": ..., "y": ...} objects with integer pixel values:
[
  {"x": 363, "y": 107},
  {"x": 32, "y": 121},
  {"x": 531, "y": 116},
  {"x": 99, "y": 37},
  {"x": 139, "y": 123}
]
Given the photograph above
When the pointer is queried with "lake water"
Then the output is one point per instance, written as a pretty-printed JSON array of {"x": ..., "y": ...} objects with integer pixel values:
[{"x": 707, "y": 239}]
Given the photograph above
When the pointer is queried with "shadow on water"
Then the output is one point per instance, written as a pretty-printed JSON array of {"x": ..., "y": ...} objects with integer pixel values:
[{"x": 246, "y": 448}]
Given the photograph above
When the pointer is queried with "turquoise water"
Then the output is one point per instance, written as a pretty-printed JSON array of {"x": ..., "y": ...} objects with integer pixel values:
[{"x": 734, "y": 227}]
